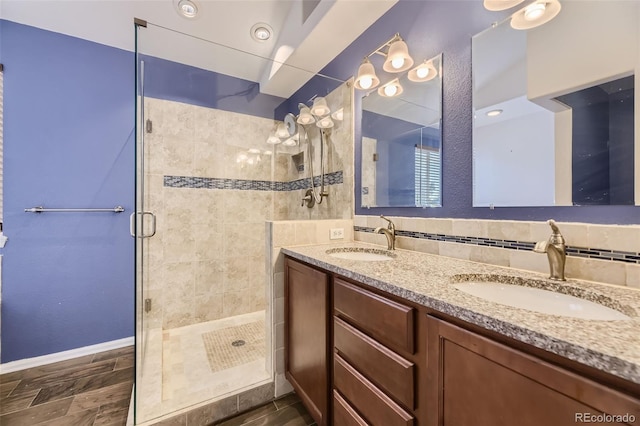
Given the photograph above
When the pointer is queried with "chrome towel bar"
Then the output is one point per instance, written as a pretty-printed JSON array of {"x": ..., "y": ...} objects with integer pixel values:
[{"x": 40, "y": 209}]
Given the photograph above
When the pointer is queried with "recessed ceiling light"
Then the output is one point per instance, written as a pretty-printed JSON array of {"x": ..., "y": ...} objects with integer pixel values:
[
  {"x": 261, "y": 32},
  {"x": 187, "y": 8},
  {"x": 494, "y": 112}
]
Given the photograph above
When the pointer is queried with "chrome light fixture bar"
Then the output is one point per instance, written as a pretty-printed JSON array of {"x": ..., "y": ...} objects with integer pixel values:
[
  {"x": 396, "y": 52},
  {"x": 397, "y": 59}
]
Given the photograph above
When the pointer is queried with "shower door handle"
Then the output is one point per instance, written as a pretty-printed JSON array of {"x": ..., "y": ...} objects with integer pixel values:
[{"x": 132, "y": 224}]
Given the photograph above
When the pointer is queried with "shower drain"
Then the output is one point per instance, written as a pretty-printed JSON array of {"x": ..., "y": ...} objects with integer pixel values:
[{"x": 238, "y": 343}]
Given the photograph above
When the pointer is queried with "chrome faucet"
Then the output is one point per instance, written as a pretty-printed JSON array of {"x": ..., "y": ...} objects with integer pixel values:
[
  {"x": 389, "y": 232},
  {"x": 556, "y": 252}
]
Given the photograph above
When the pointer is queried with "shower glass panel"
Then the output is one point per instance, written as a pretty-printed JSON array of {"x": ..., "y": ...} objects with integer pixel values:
[{"x": 206, "y": 182}]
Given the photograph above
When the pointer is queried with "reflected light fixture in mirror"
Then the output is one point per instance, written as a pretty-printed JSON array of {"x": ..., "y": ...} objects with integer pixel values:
[
  {"x": 282, "y": 131},
  {"x": 366, "y": 78},
  {"x": 325, "y": 123},
  {"x": 320, "y": 107},
  {"x": 273, "y": 139},
  {"x": 497, "y": 5},
  {"x": 305, "y": 116},
  {"x": 391, "y": 89},
  {"x": 292, "y": 141},
  {"x": 338, "y": 115},
  {"x": 538, "y": 13},
  {"x": 423, "y": 72}
]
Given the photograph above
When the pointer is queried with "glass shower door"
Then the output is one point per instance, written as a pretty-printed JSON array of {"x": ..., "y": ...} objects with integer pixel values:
[{"x": 142, "y": 227}]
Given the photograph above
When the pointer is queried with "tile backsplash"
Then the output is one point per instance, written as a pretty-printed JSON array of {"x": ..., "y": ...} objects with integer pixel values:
[{"x": 605, "y": 253}]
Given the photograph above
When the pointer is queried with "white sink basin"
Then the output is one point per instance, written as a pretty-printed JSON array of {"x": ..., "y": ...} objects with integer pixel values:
[
  {"x": 538, "y": 300},
  {"x": 364, "y": 254}
]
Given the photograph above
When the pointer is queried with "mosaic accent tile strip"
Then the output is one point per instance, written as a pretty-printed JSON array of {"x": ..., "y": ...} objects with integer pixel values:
[
  {"x": 333, "y": 178},
  {"x": 590, "y": 253}
]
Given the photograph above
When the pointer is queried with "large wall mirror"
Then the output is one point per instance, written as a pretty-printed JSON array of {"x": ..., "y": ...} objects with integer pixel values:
[
  {"x": 401, "y": 145},
  {"x": 555, "y": 110}
]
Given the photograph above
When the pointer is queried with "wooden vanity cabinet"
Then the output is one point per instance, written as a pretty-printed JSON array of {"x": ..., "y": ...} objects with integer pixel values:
[
  {"x": 473, "y": 380},
  {"x": 307, "y": 343},
  {"x": 377, "y": 358},
  {"x": 358, "y": 356}
]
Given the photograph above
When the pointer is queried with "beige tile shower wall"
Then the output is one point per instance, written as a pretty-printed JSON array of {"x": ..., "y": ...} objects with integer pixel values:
[
  {"x": 609, "y": 237},
  {"x": 207, "y": 259},
  {"x": 292, "y": 233},
  {"x": 338, "y": 157}
]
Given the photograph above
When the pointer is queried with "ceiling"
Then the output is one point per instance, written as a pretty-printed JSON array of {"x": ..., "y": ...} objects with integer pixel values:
[{"x": 308, "y": 34}]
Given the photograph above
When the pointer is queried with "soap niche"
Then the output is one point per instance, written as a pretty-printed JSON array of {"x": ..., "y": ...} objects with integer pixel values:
[{"x": 298, "y": 161}]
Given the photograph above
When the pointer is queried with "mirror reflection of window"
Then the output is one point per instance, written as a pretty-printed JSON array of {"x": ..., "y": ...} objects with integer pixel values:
[{"x": 401, "y": 143}]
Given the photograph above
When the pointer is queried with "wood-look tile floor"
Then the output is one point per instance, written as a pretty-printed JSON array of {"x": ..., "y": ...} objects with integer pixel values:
[
  {"x": 286, "y": 411},
  {"x": 93, "y": 390}
]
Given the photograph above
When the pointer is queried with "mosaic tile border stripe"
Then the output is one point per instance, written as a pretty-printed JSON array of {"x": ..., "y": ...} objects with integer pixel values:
[
  {"x": 333, "y": 178},
  {"x": 590, "y": 253}
]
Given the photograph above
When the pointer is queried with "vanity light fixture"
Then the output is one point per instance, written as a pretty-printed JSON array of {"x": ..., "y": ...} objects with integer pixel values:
[
  {"x": 261, "y": 32},
  {"x": 497, "y": 5},
  {"x": 535, "y": 14},
  {"x": 187, "y": 8},
  {"x": 392, "y": 88},
  {"x": 494, "y": 113},
  {"x": 397, "y": 59},
  {"x": 423, "y": 72},
  {"x": 366, "y": 78}
]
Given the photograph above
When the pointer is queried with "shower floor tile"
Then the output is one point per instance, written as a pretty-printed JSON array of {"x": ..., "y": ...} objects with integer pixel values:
[{"x": 179, "y": 356}]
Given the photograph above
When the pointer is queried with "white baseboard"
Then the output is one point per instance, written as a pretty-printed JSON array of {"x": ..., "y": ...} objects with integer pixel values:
[{"x": 23, "y": 364}]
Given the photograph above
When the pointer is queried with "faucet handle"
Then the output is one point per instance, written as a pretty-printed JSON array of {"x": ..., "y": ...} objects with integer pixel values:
[
  {"x": 556, "y": 236},
  {"x": 391, "y": 226},
  {"x": 553, "y": 225}
]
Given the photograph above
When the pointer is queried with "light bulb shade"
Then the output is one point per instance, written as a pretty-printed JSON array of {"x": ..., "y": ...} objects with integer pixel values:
[
  {"x": 423, "y": 72},
  {"x": 325, "y": 123},
  {"x": 538, "y": 13},
  {"x": 320, "y": 107},
  {"x": 391, "y": 89},
  {"x": 305, "y": 116},
  {"x": 497, "y": 5},
  {"x": 281, "y": 131},
  {"x": 338, "y": 115},
  {"x": 273, "y": 140},
  {"x": 366, "y": 78},
  {"x": 398, "y": 59},
  {"x": 290, "y": 142}
]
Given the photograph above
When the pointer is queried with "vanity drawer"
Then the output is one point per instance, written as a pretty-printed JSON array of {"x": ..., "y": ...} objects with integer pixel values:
[
  {"x": 344, "y": 414},
  {"x": 388, "y": 370},
  {"x": 390, "y": 322},
  {"x": 376, "y": 407}
]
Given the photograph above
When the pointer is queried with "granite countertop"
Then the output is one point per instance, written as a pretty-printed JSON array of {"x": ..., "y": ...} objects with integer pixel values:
[{"x": 426, "y": 279}]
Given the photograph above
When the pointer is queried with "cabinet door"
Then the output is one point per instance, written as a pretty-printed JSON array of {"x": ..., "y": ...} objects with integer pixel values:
[
  {"x": 306, "y": 343},
  {"x": 475, "y": 381}
]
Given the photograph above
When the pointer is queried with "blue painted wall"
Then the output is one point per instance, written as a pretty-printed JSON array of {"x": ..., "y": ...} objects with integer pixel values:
[
  {"x": 68, "y": 278},
  {"x": 431, "y": 27},
  {"x": 68, "y": 142},
  {"x": 183, "y": 83}
]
